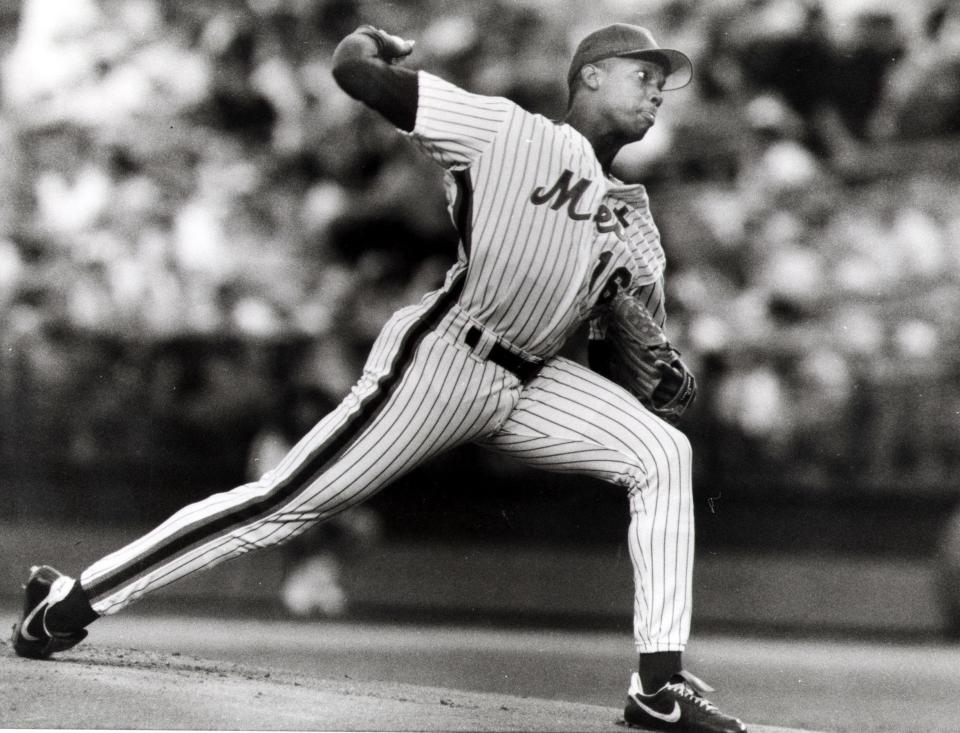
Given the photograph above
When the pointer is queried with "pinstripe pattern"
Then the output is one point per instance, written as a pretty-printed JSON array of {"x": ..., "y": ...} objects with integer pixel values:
[
  {"x": 288, "y": 496},
  {"x": 545, "y": 237},
  {"x": 572, "y": 420},
  {"x": 529, "y": 265}
]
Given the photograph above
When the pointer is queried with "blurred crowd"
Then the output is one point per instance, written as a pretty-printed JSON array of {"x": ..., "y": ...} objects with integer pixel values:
[{"x": 193, "y": 217}]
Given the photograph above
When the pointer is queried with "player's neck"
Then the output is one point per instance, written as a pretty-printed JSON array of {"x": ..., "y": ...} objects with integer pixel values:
[{"x": 605, "y": 143}]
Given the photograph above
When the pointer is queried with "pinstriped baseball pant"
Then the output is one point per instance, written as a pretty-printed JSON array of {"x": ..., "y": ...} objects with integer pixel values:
[{"x": 425, "y": 391}]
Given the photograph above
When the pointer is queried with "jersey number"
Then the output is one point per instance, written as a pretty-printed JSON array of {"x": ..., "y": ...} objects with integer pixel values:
[{"x": 619, "y": 279}]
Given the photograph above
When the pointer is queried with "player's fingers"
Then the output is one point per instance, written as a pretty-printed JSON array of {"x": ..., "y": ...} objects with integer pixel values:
[
  {"x": 390, "y": 47},
  {"x": 399, "y": 48}
]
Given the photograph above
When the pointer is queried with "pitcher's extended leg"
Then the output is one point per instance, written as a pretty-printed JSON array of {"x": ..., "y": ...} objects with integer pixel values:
[
  {"x": 349, "y": 456},
  {"x": 421, "y": 393}
]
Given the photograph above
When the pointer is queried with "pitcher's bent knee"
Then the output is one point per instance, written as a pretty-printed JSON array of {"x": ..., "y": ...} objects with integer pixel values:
[{"x": 668, "y": 459}]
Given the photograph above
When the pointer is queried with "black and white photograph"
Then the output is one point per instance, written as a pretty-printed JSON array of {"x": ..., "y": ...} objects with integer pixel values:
[{"x": 480, "y": 365}]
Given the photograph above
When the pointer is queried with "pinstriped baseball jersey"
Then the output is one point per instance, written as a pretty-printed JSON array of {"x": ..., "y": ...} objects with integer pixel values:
[
  {"x": 526, "y": 194},
  {"x": 545, "y": 239}
]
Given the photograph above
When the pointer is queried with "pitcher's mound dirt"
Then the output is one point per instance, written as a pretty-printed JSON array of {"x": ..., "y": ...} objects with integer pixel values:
[{"x": 91, "y": 687}]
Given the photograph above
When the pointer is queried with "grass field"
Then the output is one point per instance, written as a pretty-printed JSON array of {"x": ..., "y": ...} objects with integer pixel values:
[{"x": 565, "y": 679}]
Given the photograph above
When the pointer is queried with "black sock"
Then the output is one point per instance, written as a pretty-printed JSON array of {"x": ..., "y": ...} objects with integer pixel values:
[
  {"x": 72, "y": 613},
  {"x": 657, "y": 668}
]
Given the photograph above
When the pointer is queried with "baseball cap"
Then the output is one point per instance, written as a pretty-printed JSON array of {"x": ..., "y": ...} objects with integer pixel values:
[{"x": 624, "y": 39}]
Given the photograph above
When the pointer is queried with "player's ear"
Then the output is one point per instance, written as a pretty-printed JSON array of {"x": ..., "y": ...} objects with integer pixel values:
[{"x": 590, "y": 76}]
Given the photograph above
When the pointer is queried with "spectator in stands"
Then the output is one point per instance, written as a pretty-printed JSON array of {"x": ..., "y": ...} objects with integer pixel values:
[
  {"x": 781, "y": 47},
  {"x": 235, "y": 105},
  {"x": 833, "y": 80},
  {"x": 922, "y": 98},
  {"x": 864, "y": 59}
]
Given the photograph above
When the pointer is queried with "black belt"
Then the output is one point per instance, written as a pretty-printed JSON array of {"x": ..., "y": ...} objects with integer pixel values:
[{"x": 523, "y": 368}]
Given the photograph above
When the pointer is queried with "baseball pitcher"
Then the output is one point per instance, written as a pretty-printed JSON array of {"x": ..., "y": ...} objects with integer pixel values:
[{"x": 547, "y": 239}]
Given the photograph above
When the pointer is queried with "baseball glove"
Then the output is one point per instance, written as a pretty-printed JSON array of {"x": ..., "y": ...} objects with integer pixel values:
[{"x": 642, "y": 360}]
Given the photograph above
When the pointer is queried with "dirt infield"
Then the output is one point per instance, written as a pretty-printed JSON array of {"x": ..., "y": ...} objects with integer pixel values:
[
  {"x": 124, "y": 688},
  {"x": 172, "y": 671}
]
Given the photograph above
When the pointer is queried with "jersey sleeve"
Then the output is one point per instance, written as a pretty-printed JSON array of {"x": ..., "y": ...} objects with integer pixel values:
[{"x": 454, "y": 126}]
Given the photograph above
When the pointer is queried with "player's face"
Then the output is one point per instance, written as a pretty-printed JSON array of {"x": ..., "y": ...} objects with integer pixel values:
[{"x": 632, "y": 94}]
